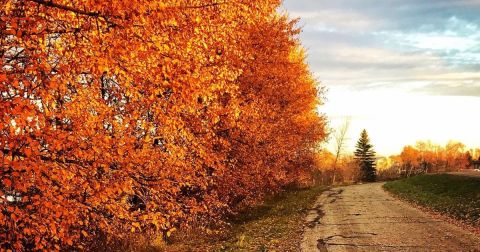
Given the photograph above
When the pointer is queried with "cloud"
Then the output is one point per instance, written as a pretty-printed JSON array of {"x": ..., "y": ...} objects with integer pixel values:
[
  {"x": 403, "y": 69},
  {"x": 372, "y": 57},
  {"x": 462, "y": 89},
  {"x": 453, "y": 34},
  {"x": 379, "y": 44},
  {"x": 336, "y": 20}
]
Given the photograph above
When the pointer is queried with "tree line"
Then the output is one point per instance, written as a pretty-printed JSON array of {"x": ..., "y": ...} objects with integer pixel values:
[
  {"x": 122, "y": 117},
  {"x": 422, "y": 158},
  {"x": 427, "y": 157}
]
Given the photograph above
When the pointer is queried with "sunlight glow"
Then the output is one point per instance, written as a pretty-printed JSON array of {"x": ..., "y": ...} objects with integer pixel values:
[{"x": 395, "y": 119}]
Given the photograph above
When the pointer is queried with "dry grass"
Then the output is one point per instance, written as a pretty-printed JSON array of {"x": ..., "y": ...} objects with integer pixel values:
[{"x": 275, "y": 225}]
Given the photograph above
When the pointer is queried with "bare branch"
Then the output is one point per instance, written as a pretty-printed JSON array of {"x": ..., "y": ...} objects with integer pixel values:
[
  {"x": 340, "y": 137},
  {"x": 50, "y": 3}
]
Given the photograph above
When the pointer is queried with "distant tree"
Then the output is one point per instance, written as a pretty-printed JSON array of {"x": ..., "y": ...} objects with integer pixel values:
[
  {"x": 469, "y": 158},
  {"x": 324, "y": 162},
  {"x": 455, "y": 158},
  {"x": 365, "y": 156},
  {"x": 411, "y": 159},
  {"x": 476, "y": 154},
  {"x": 339, "y": 137}
]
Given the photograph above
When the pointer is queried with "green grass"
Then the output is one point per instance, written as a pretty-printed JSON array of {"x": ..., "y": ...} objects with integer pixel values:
[
  {"x": 275, "y": 225},
  {"x": 455, "y": 196}
]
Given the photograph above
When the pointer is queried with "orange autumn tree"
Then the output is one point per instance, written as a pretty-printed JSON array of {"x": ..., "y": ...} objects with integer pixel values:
[
  {"x": 279, "y": 128},
  {"x": 146, "y": 116},
  {"x": 427, "y": 157}
]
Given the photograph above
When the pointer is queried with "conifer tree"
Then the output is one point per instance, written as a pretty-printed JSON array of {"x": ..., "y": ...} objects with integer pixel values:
[{"x": 365, "y": 156}]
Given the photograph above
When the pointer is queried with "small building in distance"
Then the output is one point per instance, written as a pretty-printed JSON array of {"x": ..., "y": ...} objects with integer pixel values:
[{"x": 476, "y": 164}]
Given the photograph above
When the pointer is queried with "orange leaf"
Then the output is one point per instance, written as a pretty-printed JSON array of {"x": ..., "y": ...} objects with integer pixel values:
[{"x": 7, "y": 182}]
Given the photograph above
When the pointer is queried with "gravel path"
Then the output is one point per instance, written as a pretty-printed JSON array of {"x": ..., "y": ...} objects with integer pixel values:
[{"x": 366, "y": 218}]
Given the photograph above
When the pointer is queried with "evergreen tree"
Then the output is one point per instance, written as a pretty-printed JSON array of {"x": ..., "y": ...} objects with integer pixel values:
[{"x": 365, "y": 156}]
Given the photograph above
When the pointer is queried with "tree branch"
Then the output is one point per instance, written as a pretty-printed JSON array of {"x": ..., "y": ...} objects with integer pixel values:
[{"x": 50, "y": 3}]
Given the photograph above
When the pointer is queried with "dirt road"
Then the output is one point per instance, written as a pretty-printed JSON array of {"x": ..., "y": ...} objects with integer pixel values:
[{"x": 366, "y": 218}]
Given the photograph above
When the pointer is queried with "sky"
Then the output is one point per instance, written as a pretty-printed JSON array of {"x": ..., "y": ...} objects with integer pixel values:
[{"x": 404, "y": 70}]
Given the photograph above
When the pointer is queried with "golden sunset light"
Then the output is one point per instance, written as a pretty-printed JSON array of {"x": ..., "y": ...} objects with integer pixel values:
[
  {"x": 399, "y": 70},
  {"x": 239, "y": 125},
  {"x": 397, "y": 119}
]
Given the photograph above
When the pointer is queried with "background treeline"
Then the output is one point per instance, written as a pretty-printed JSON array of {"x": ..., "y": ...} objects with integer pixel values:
[
  {"x": 421, "y": 158},
  {"x": 427, "y": 157},
  {"x": 138, "y": 116}
]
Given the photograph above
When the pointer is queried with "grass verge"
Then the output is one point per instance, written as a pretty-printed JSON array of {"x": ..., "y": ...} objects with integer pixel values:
[
  {"x": 275, "y": 225},
  {"x": 455, "y": 196}
]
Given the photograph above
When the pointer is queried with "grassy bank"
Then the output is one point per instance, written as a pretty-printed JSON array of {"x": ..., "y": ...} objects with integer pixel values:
[
  {"x": 276, "y": 225},
  {"x": 454, "y": 196}
]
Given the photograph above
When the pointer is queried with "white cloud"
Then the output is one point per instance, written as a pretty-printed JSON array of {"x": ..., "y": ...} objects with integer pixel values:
[
  {"x": 439, "y": 42},
  {"x": 332, "y": 20},
  {"x": 369, "y": 55},
  {"x": 405, "y": 70},
  {"x": 457, "y": 34}
]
